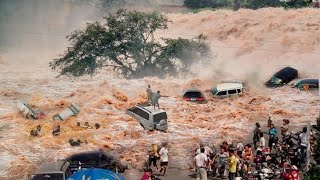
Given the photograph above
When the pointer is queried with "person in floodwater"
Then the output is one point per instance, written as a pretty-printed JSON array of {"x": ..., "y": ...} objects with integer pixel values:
[
  {"x": 153, "y": 156},
  {"x": 97, "y": 125},
  {"x": 36, "y": 132},
  {"x": 149, "y": 93},
  {"x": 74, "y": 142},
  {"x": 164, "y": 158},
  {"x": 256, "y": 133},
  {"x": 56, "y": 130}
]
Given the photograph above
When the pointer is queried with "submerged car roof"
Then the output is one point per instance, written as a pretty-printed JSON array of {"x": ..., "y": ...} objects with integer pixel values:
[
  {"x": 226, "y": 86},
  {"x": 52, "y": 167},
  {"x": 286, "y": 74},
  {"x": 192, "y": 90}
]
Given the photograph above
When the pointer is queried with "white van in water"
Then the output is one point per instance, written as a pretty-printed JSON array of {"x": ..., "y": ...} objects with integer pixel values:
[
  {"x": 228, "y": 89},
  {"x": 149, "y": 118}
]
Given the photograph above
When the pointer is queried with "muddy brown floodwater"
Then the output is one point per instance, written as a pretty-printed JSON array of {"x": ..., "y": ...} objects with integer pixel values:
[{"x": 248, "y": 45}]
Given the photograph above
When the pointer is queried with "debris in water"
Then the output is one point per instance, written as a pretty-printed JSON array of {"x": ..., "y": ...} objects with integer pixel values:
[
  {"x": 72, "y": 110},
  {"x": 27, "y": 111}
]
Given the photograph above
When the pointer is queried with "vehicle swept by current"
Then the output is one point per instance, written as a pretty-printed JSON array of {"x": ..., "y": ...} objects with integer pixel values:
[
  {"x": 72, "y": 110},
  {"x": 150, "y": 118},
  {"x": 282, "y": 77},
  {"x": 95, "y": 159},
  {"x": 52, "y": 171},
  {"x": 193, "y": 95},
  {"x": 228, "y": 89},
  {"x": 306, "y": 84},
  {"x": 27, "y": 110}
]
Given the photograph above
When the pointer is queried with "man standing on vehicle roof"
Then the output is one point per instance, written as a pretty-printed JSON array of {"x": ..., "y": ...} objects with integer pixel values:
[
  {"x": 149, "y": 93},
  {"x": 155, "y": 99}
]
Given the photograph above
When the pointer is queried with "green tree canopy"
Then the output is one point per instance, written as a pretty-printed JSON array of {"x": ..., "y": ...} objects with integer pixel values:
[{"x": 126, "y": 44}]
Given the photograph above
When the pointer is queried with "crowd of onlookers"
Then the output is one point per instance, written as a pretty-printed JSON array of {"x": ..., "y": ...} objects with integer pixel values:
[
  {"x": 231, "y": 160},
  {"x": 235, "y": 161}
]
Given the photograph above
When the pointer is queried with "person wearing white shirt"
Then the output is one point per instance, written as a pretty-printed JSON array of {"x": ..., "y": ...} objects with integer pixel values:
[
  {"x": 303, "y": 139},
  {"x": 164, "y": 158},
  {"x": 200, "y": 163},
  {"x": 262, "y": 141}
]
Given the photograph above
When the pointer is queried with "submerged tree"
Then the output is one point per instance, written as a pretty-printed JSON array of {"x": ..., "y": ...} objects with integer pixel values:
[{"x": 126, "y": 44}]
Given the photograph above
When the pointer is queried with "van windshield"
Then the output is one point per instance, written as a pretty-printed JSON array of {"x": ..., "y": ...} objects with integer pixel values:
[
  {"x": 222, "y": 93},
  {"x": 214, "y": 91},
  {"x": 158, "y": 117},
  {"x": 53, "y": 176}
]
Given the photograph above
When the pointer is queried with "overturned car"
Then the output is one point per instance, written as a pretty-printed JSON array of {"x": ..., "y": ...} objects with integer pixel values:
[
  {"x": 282, "y": 77},
  {"x": 149, "y": 117}
]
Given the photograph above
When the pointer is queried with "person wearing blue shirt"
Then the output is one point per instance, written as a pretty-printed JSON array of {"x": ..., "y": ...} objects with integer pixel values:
[{"x": 272, "y": 135}]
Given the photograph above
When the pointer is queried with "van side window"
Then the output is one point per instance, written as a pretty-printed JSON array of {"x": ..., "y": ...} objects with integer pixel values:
[
  {"x": 233, "y": 91},
  {"x": 222, "y": 93},
  {"x": 134, "y": 110},
  {"x": 239, "y": 90},
  {"x": 143, "y": 114}
]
